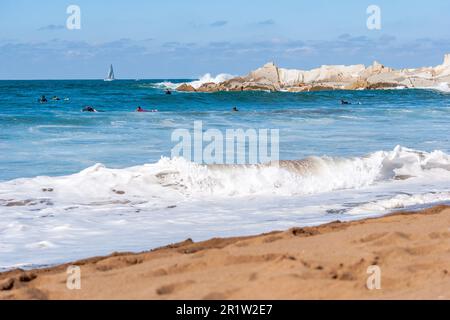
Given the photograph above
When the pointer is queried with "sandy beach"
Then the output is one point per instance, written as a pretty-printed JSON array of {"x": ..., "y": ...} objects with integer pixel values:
[{"x": 324, "y": 262}]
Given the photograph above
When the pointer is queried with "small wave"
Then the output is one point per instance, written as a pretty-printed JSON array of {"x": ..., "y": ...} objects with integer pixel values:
[
  {"x": 402, "y": 201},
  {"x": 351, "y": 117},
  {"x": 166, "y": 85}
]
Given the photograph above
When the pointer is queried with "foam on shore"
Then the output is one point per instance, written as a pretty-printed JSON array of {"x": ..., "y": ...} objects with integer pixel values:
[{"x": 150, "y": 205}]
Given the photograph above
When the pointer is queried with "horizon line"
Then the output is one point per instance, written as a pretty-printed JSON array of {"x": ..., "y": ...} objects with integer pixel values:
[{"x": 95, "y": 79}]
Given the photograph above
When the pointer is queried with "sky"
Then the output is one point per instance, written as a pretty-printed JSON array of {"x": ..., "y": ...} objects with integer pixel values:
[{"x": 186, "y": 39}]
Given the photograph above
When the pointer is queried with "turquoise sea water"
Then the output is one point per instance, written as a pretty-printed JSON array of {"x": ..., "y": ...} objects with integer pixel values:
[
  {"x": 76, "y": 184},
  {"x": 57, "y": 139}
]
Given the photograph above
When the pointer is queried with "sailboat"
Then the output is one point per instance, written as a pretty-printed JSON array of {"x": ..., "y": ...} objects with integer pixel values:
[{"x": 110, "y": 76}]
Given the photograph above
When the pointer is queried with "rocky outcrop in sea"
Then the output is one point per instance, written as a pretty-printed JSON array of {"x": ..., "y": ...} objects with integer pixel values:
[{"x": 331, "y": 77}]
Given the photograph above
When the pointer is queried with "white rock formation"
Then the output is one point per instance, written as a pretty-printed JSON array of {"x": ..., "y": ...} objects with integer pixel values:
[{"x": 376, "y": 76}]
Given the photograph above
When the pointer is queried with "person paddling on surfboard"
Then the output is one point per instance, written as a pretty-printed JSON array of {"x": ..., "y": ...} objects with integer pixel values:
[{"x": 139, "y": 109}]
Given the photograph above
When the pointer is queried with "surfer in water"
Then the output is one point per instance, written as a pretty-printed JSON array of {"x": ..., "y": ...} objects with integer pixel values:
[
  {"x": 56, "y": 98},
  {"x": 88, "y": 109},
  {"x": 42, "y": 99},
  {"x": 168, "y": 91},
  {"x": 346, "y": 102},
  {"x": 235, "y": 109},
  {"x": 139, "y": 109}
]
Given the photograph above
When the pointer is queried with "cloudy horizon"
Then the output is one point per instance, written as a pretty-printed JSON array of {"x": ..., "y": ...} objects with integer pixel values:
[{"x": 150, "y": 40}]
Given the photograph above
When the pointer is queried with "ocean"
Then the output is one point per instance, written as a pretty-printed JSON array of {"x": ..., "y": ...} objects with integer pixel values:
[{"x": 76, "y": 184}]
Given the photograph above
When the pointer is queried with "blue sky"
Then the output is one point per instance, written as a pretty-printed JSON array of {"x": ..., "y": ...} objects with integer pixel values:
[{"x": 185, "y": 39}]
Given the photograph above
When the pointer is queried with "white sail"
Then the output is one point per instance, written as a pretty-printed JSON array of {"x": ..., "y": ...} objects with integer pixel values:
[{"x": 110, "y": 76}]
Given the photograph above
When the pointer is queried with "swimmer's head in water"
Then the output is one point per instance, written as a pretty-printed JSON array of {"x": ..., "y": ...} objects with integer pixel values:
[{"x": 88, "y": 109}]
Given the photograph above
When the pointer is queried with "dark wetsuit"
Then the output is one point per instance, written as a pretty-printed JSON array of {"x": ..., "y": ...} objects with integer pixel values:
[{"x": 89, "y": 109}]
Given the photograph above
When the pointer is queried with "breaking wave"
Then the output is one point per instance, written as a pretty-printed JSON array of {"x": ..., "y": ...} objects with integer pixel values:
[
  {"x": 442, "y": 87},
  {"x": 181, "y": 178},
  {"x": 206, "y": 78}
]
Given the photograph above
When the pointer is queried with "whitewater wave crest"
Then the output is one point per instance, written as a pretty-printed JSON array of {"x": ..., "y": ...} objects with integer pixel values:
[
  {"x": 441, "y": 87},
  {"x": 206, "y": 78},
  {"x": 178, "y": 178}
]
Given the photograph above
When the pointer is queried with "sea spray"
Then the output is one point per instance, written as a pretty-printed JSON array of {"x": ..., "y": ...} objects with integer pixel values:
[{"x": 312, "y": 175}]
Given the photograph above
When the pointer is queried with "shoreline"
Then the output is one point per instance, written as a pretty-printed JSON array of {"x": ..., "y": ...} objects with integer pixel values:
[{"x": 324, "y": 262}]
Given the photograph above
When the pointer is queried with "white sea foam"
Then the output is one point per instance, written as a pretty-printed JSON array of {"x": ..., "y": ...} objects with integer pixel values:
[
  {"x": 442, "y": 87},
  {"x": 206, "y": 78},
  {"x": 402, "y": 201},
  {"x": 186, "y": 179},
  {"x": 100, "y": 210},
  {"x": 166, "y": 85}
]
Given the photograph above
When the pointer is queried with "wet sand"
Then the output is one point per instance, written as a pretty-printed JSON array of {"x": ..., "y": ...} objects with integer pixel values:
[{"x": 412, "y": 251}]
